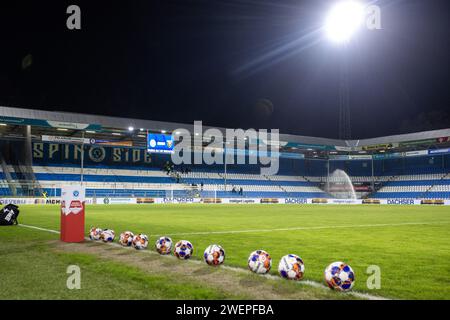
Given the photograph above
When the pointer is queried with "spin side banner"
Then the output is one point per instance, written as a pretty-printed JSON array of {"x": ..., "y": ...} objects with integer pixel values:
[{"x": 72, "y": 214}]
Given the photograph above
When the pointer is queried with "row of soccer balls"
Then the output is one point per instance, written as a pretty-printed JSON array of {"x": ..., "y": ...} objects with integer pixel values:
[{"x": 338, "y": 275}]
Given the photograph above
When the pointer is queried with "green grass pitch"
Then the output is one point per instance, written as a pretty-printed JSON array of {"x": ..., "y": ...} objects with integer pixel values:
[{"x": 411, "y": 245}]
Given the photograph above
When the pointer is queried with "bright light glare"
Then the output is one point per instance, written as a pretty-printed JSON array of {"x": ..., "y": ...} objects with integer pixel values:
[{"x": 343, "y": 20}]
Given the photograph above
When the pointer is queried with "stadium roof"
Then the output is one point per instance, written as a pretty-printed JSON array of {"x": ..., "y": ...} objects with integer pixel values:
[{"x": 115, "y": 123}]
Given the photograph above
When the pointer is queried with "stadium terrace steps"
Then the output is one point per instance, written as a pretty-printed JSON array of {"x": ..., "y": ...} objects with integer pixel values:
[
  {"x": 160, "y": 177},
  {"x": 417, "y": 182},
  {"x": 102, "y": 182},
  {"x": 416, "y": 186},
  {"x": 441, "y": 186}
]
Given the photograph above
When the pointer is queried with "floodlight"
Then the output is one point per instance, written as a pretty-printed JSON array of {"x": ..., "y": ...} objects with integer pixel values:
[
  {"x": 130, "y": 128},
  {"x": 343, "y": 21}
]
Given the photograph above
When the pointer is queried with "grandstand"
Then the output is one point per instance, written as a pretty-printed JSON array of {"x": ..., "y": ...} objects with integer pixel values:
[{"x": 43, "y": 151}]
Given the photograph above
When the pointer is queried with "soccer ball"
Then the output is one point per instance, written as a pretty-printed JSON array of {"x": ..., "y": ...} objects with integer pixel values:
[
  {"x": 183, "y": 249},
  {"x": 126, "y": 238},
  {"x": 95, "y": 233},
  {"x": 163, "y": 245},
  {"x": 259, "y": 262},
  {"x": 140, "y": 241},
  {"x": 339, "y": 276},
  {"x": 291, "y": 267},
  {"x": 107, "y": 235},
  {"x": 214, "y": 255}
]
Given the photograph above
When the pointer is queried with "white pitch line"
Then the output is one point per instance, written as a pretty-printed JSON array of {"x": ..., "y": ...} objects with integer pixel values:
[
  {"x": 235, "y": 269},
  {"x": 37, "y": 228},
  {"x": 304, "y": 228}
]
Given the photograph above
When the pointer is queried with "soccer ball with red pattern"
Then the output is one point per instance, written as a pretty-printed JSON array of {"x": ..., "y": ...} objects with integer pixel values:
[
  {"x": 183, "y": 250},
  {"x": 259, "y": 261},
  {"x": 291, "y": 267},
  {"x": 164, "y": 245},
  {"x": 108, "y": 235},
  {"x": 95, "y": 233},
  {"x": 140, "y": 241},
  {"x": 126, "y": 238},
  {"x": 214, "y": 255},
  {"x": 339, "y": 276}
]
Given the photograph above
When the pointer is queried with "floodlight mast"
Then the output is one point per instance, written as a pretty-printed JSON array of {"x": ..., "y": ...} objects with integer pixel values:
[
  {"x": 342, "y": 22},
  {"x": 345, "y": 131}
]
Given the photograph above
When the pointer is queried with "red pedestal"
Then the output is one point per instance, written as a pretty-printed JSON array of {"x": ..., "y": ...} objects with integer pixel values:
[{"x": 72, "y": 214}]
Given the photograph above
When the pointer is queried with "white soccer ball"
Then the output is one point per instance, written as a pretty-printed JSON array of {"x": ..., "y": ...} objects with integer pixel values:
[
  {"x": 183, "y": 249},
  {"x": 107, "y": 235},
  {"x": 164, "y": 245},
  {"x": 259, "y": 261},
  {"x": 126, "y": 238},
  {"x": 339, "y": 276},
  {"x": 140, "y": 241},
  {"x": 291, "y": 267},
  {"x": 95, "y": 233},
  {"x": 214, "y": 255}
]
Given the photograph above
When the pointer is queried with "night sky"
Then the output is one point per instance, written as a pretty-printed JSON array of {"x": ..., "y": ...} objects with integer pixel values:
[{"x": 239, "y": 64}]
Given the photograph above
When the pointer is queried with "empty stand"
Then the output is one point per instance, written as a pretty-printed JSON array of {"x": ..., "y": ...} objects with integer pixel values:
[{"x": 306, "y": 179}]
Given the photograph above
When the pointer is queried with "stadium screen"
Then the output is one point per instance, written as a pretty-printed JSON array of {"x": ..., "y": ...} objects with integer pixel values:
[{"x": 160, "y": 143}]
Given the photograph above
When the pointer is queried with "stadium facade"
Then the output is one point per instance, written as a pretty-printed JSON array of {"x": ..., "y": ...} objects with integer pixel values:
[{"x": 41, "y": 151}]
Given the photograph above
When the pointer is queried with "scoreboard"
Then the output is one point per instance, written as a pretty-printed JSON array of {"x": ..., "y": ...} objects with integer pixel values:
[{"x": 160, "y": 143}]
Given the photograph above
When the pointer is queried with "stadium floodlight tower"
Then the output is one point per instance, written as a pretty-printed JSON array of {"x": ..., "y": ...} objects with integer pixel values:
[{"x": 342, "y": 22}]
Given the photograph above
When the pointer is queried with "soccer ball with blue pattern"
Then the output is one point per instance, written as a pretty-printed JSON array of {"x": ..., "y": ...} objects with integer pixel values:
[
  {"x": 164, "y": 245},
  {"x": 259, "y": 261},
  {"x": 95, "y": 233},
  {"x": 107, "y": 235},
  {"x": 214, "y": 255},
  {"x": 339, "y": 276},
  {"x": 140, "y": 241},
  {"x": 291, "y": 267},
  {"x": 126, "y": 238},
  {"x": 183, "y": 249}
]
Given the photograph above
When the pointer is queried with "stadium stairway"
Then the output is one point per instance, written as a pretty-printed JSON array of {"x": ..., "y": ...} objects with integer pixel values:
[
  {"x": 439, "y": 189},
  {"x": 416, "y": 186}
]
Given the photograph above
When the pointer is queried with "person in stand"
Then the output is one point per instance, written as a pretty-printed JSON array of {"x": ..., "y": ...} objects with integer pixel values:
[{"x": 167, "y": 167}]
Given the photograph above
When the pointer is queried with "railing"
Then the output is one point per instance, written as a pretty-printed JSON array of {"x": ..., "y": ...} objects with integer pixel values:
[
  {"x": 15, "y": 189},
  {"x": 102, "y": 189}
]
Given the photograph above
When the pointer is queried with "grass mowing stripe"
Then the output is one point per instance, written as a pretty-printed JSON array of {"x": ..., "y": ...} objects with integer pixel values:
[
  {"x": 307, "y": 228},
  {"x": 413, "y": 259},
  {"x": 235, "y": 269}
]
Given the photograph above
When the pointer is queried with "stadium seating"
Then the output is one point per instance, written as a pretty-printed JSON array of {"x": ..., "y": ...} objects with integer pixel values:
[
  {"x": 295, "y": 179},
  {"x": 102, "y": 182},
  {"x": 421, "y": 185}
]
